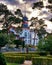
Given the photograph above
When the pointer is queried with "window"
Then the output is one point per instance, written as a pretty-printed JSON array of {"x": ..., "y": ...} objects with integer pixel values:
[{"x": 25, "y": 34}]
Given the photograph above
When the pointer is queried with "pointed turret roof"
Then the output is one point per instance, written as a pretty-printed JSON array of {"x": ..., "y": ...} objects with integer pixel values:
[{"x": 25, "y": 22}]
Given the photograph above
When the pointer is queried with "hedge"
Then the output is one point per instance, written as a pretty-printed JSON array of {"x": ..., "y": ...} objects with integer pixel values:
[
  {"x": 27, "y": 56},
  {"x": 15, "y": 59},
  {"x": 41, "y": 61},
  {"x": 49, "y": 61},
  {"x": 36, "y": 58},
  {"x": 41, "y": 53},
  {"x": 20, "y": 54}
]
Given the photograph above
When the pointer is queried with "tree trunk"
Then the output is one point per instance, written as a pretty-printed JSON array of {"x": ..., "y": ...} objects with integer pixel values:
[
  {"x": 34, "y": 39},
  {"x": 0, "y": 50}
]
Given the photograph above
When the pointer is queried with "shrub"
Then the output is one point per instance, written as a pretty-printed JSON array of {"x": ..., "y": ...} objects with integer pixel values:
[
  {"x": 2, "y": 60},
  {"x": 15, "y": 59},
  {"x": 45, "y": 44},
  {"x": 19, "y": 42},
  {"x": 49, "y": 61},
  {"x": 42, "y": 53},
  {"x": 49, "y": 56},
  {"x": 41, "y": 61},
  {"x": 27, "y": 56}
]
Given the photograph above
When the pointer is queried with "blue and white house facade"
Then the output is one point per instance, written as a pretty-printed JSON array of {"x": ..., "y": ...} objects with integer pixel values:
[{"x": 29, "y": 36}]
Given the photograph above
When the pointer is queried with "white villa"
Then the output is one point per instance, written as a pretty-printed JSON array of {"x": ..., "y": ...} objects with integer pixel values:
[{"x": 29, "y": 36}]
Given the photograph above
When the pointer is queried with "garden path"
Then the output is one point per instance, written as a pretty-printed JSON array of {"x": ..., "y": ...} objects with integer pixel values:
[{"x": 27, "y": 62}]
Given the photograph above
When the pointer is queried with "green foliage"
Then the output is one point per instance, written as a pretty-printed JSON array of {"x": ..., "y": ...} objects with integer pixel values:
[
  {"x": 43, "y": 53},
  {"x": 19, "y": 42},
  {"x": 11, "y": 18},
  {"x": 27, "y": 56},
  {"x": 12, "y": 64},
  {"x": 45, "y": 44},
  {"x": 2, "y": 60},
  {"x": 41, "y": 32},
  {"x": 18, "y": 20},
  {"x": 3, "y": 39},
  {"x": 41, "y": 61},
  {"x": 12, "y": 37},
  {"x": 20, "y": 57},
  {"x": 3, "y": 8},
  {"x": 40, "y": 45},
  {"x": 49, "y": 61},
  {"x": 4, "y": 31},
  {"x": 15, "y": 59}
]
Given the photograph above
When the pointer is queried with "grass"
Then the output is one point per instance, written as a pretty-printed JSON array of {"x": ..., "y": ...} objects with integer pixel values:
[{"x": 12, "y": 64}]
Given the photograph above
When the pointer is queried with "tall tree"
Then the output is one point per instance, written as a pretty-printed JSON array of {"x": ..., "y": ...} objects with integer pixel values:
[
  {"x": 4, "y": 11},
  {"x": 19, "y": 18}
]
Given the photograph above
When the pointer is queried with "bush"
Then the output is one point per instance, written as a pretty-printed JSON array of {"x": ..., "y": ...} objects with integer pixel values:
[
  {"x": 49, "y": 56},
  {"x": 17, "y": 54},
  {"x": 49, "y": 61},
  {"x": 19, "y": 42},
  {"x": 2, "y": 60},
  {"x": 27, "y": 56},
  {"x": 15, "y": 59},
  {"x": 42, "y": 53},
  {"x": 45, "y": 44},
  {"x": 41, "y": 61}
]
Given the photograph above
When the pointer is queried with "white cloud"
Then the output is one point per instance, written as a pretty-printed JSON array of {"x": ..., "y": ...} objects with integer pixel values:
[
  {"x": 21, "y": 1},
  {"x": 34, "y": 13},
  {"x": 12, "y": 8},
  {"x": 49, "y": 26}
]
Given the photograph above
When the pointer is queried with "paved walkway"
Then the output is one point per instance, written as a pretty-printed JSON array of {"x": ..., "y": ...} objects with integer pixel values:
[{"x": 27, "y": 62}]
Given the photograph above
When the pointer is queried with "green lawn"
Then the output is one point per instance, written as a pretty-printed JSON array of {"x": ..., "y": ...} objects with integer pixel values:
[{"x": 12, "y": 64}]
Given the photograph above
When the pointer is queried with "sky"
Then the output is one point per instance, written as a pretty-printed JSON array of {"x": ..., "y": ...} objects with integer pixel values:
[
  {"x": 26, "y": 8},
  {"x": 24, "y": 5}
]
